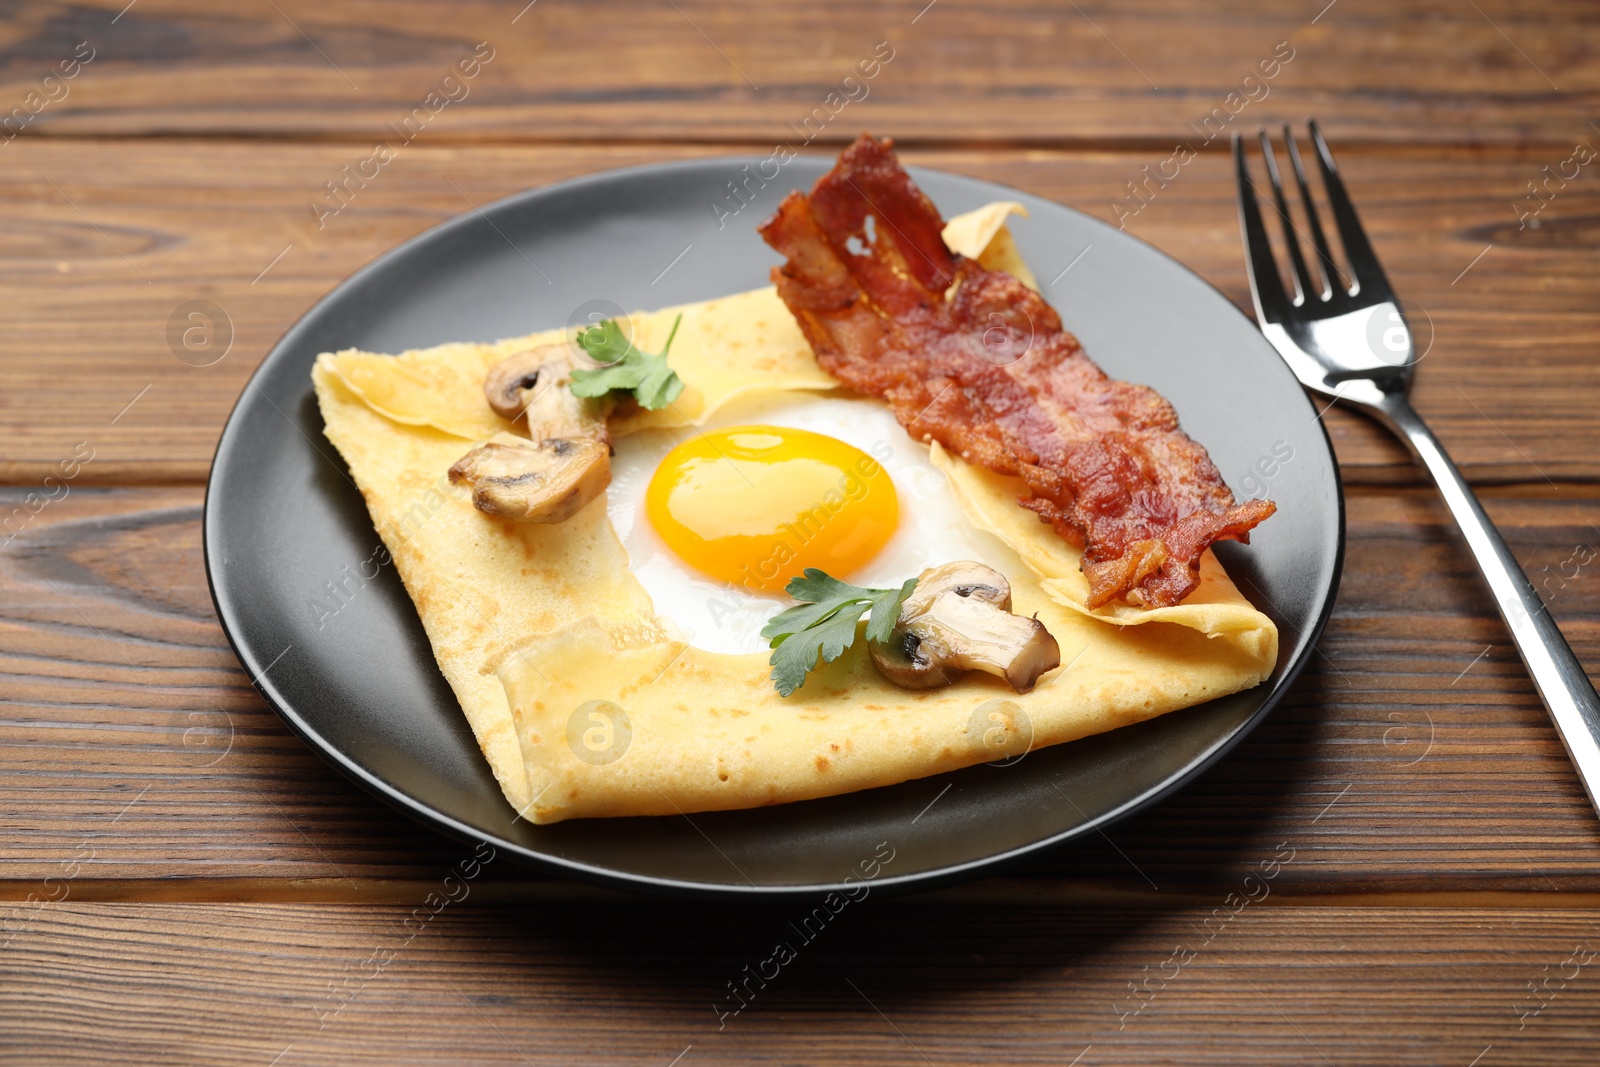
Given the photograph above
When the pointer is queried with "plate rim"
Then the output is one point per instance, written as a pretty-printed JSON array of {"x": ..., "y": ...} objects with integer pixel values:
[{"x": 656, "y": 885}]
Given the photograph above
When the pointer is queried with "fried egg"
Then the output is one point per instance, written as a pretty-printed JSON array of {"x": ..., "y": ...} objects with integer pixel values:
[
  {"x": 755, "y": 505},
  {"x": 717, "y": 519}
]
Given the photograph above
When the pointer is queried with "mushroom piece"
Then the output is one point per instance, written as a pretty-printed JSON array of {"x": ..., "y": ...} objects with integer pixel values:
[
  {"x": 957, "y": 619},
  {"x": 531, "y": 385},
  {"x": 902, "y": 661},
  {"x": 548, "y": 481}
]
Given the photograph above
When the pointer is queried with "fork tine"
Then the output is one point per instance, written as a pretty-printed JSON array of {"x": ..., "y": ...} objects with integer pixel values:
[
  {"x": 1329, "y": 273},
  {"x": 1303, "y": 284},
  {"x": 1363, "y": 261},
  {"x": 1266, "y": 285}
]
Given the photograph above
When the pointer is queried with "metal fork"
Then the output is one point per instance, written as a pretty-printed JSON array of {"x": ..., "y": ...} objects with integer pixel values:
[{"x": 1353, "y": 343}]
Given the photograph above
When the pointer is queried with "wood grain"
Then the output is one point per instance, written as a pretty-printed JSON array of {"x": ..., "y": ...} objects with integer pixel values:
[
  {"x": 962, "y": 71},
  {"x": 1436, "y": 866},
  {"x": 1508, "y": 384},
  {"x": 621, "y": 981},
  {"x": 1412, "y": 756}
]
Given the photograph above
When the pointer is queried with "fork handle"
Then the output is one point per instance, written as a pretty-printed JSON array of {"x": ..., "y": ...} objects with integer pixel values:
[{"x": 1556, "y": 672}]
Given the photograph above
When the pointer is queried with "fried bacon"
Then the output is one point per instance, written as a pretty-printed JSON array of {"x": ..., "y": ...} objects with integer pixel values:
[{"x": 977, "y": 361}]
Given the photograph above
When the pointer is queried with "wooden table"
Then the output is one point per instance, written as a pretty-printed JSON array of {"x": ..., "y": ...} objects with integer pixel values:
[{"x": 187, "y": 883}]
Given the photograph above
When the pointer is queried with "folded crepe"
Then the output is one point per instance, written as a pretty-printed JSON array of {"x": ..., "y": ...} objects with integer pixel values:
[{"x": 586, "y": 703}]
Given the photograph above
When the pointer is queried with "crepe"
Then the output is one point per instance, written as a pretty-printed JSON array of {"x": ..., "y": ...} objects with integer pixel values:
[{"x": 587, "y": 704}]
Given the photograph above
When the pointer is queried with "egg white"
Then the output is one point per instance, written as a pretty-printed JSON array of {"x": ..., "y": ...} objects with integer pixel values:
[{"x": 716, "y": 616}]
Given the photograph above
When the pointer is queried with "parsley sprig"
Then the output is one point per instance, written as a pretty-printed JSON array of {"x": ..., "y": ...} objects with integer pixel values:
[
  {"x": 825, "y": 623},
  {"x": 626, "y": 367}
]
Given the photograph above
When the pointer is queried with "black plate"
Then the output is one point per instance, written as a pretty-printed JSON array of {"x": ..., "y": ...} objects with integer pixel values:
[{"x": 282, "y": 519}]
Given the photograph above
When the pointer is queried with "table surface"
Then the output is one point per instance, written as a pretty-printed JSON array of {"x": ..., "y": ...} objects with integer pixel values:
[{"x": 185, "y": 882}]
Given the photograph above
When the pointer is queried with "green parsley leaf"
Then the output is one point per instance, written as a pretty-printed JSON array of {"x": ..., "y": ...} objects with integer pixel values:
[
  {"x": 824, "y": 623},
  {"x": 626, "y": 367},
  {"x": 605, "y": 342}
]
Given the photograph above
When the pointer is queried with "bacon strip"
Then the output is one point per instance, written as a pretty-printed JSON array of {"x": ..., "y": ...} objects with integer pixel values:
[{"x": 977, "y": 361}]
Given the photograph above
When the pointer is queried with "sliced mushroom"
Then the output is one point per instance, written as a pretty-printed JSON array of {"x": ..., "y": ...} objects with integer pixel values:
[
  {"x": 548, "y": 481},
  {"x": 902, "y": 661},
  {"x": 959, "y": 619},
  {"x": 965, "y": 578},
  {"x": 533, "y": 385}
]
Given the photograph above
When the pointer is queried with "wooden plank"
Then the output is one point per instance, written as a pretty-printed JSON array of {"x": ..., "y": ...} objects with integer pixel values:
[
  {"x": 921, "y": 981},
  {"x": 98, "y": 271},
  {"x": 1413, "y": 755},
  {"x": 958, "y": 71}
]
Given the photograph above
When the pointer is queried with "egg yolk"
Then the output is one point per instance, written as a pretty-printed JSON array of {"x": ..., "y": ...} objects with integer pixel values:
[{"x": 756, "y": 505}]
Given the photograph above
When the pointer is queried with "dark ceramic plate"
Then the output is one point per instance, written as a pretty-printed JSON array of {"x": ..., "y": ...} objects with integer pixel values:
[{"x": 282, "y": 520}]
